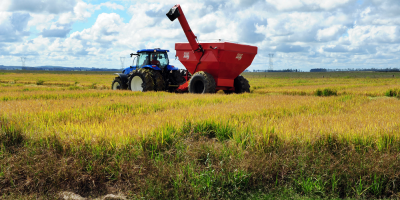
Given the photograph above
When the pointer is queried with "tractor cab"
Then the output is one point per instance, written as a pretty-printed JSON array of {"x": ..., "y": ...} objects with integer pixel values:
[
  {"x": 156, "y": 59},
  {"x": 152, "y": 58}
]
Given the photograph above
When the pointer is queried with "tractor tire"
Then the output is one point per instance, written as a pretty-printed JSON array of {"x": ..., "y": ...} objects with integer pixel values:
[
  {"x": 159, "y": 83},
  {"x": 141, "y": 80},
  {"x": 179, "y": 79},
  {"x": 118, "y": 85},
  {"x": 241, "y": 85},
  {"x": 202, "y": 82},
  {"x": 228, "y": 91}
]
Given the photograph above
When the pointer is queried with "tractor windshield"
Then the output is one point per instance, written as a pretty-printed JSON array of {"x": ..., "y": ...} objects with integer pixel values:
[{"x": 153, "y": 58}]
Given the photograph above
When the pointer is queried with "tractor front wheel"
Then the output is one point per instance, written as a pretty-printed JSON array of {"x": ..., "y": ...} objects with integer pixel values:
[
  {"x": 118, "y": 85},
  {"x": 202, "y": 82},
  {"x": 141, "y": 80}
]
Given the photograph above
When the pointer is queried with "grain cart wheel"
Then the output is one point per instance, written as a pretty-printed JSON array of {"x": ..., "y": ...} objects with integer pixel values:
[
  {"x": 141, "y": 80},
  {"x": 159, "y": 83},
  {"x": 202, "y": 82},
  {"x": 118, "y": 85},
  {"x": 241, "y": 85}
]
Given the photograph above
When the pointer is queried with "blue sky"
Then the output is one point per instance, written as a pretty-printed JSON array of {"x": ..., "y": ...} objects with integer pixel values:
[{"x": 302, "y": 34}]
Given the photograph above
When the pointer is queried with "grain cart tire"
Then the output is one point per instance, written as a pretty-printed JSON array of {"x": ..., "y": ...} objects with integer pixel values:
[
  {"x": 241, "y": 85},
  {"x": 141, "y": 80},
  {"x": 202, "y": 82},
  {"x": 159, "y": 83}
]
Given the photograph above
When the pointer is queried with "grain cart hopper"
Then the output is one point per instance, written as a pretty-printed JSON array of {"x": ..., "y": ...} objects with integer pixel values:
[{"x": 214, "y": 66}]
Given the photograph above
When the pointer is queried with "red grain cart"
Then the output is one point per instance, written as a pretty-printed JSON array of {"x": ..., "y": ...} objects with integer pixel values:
[{"x": 214, "y": 66}]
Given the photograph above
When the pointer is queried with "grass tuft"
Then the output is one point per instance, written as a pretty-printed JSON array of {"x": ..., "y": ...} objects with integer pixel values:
[
  {"x": 39, "y": 82},
  {"x": 393, "y": 93},
  {"x": 326, "y": 92}
]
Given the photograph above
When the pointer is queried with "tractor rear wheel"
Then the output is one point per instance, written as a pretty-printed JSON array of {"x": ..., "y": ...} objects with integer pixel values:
[
  {"x": 159, "y": 83},
  {"x": 202, "y": 82},
  {"x": 141, "y": 80},
  {"x": 241, "y": 85}
]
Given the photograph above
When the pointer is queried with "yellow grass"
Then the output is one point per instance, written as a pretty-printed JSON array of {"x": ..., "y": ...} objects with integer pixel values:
[{"x": 122, "y": 116}]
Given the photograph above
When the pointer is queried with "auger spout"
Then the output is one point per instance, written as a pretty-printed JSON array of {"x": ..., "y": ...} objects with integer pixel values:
[{"x": 176, "y": 12}]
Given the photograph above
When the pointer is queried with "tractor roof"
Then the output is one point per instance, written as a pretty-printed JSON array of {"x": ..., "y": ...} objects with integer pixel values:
[{"x": 153, "y": 50}]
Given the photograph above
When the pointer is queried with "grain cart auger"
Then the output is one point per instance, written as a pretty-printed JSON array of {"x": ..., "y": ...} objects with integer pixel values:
[{"x": 214, "y": 66}]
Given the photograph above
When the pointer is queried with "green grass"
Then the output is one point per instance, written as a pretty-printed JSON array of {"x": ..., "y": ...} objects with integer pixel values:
[
  {"x": 188, "y": 163},
  {"x": 326, "y": 92}
]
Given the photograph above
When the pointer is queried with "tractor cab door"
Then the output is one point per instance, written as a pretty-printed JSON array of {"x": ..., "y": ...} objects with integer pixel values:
[{"x": 143, "y": 59}]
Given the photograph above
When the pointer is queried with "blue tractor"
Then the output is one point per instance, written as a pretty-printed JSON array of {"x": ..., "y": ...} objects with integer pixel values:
[{"x": 150, "y": 71}]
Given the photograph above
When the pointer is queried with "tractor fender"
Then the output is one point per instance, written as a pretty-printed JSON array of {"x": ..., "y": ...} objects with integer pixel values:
[
  {"x": 171, "y": 67},
  {"x": 123, "y": 77},
  {"x": 153, "y": 67},
  {"x": 129, "y": 70}
]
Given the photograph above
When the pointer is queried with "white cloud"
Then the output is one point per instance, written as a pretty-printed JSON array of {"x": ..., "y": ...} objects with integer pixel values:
[
  {"x": 80, "y": 12},
  {"x": 290, "y": 5},
  {"x": 331, "y": 33},
  {"x": 361, "y": 35},
  {"x": 112, "y": 6},
  {"x": 5, "y": 5},
  {"x": 42, "y": 6}
]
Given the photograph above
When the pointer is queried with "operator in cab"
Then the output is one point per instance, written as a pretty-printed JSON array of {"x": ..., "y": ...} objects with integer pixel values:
[{"x": 154, "y": 60}]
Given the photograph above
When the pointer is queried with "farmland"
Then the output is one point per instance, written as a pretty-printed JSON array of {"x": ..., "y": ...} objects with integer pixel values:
[{"x": 302, "y": 135}]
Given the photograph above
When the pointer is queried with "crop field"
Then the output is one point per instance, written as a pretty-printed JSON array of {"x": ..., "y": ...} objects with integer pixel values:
[{"x": 295, "y": 135}]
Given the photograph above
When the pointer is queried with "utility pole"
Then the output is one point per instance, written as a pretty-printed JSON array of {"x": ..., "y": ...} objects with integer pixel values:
[
  {"x": 122, "y": 62},
  {"x": 23, "y": 61},
  {"x": 271, "y": 62}
]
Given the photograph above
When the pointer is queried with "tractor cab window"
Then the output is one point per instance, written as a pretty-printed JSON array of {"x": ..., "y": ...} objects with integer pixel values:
[
  {"x": 159, "y": 58},
  {"x": 153, "y": 58},
  {"x": 143, "y": 59}
]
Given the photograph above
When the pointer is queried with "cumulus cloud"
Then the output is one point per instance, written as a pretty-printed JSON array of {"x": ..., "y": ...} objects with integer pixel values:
[
  {"x": 105, "y": 30},
  {"x": 13, "y": 26},
  {"x": 331, "y": 33},
  {"x": 34, "y": 6},
  {"x": 308, "y": 5},
  {"x": 56, "y": 32},
  {"x": 290, "y": 48}
]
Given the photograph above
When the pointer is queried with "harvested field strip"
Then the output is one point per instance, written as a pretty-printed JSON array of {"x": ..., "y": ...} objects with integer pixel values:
[
  {"x": 341, "y": 90},
  {"x": 100, "y": 78},
  {"x": 65, "y": 95}
]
